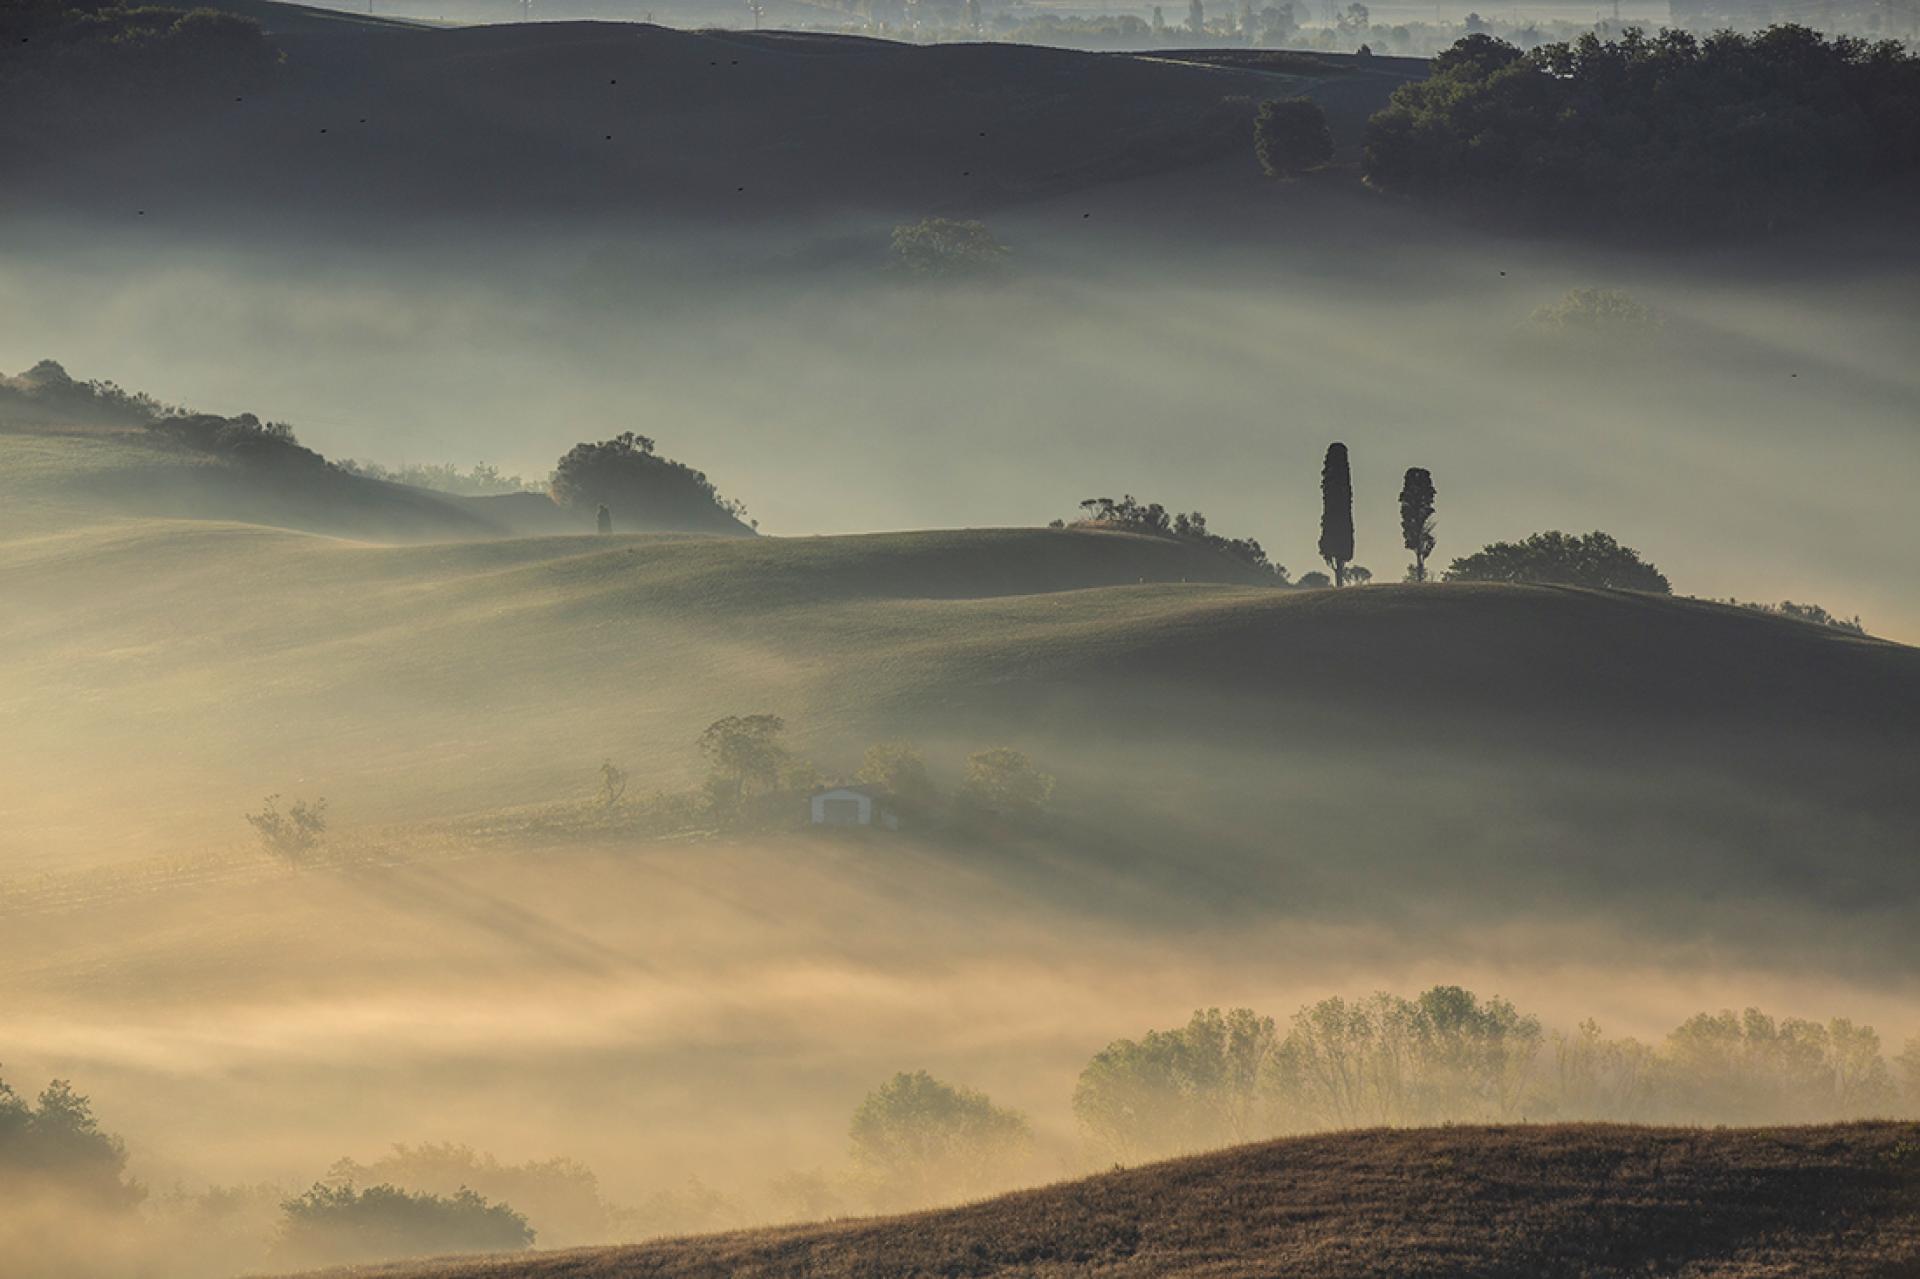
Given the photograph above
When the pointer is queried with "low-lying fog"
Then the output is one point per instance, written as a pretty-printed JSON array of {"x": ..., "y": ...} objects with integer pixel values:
[
  {"x": 697, "y": 1020},
  {"x": 1759, "y": 446}
]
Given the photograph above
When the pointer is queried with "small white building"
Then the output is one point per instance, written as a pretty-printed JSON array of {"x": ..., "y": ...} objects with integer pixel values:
[{"x": 853, "y": 806}]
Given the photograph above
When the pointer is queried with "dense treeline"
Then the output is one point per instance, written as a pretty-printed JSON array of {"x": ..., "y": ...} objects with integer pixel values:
[
  {"x": 1448, "y": 1056},
  {"x": 1668, "y": 132}
]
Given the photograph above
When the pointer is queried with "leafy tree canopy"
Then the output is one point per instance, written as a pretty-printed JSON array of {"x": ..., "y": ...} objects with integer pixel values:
[
  {"x": 1291, "y": 136},
  {"x": 1666, "y": 133},
  {"x": 641, "y": 489},
  {"x": 917, "y": 1139},
  {"x": 339, "y": 1224},
  {"x": 56, "y": 1143},
  {"x": 1555, "y": 558}
]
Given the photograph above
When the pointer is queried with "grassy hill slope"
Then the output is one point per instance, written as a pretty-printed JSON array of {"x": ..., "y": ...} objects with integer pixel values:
[
  {"x": 1508, "y": 1202},
  {"x": 55, "y": 481},
  {"x": 1514, "y": 741},
  {"x": 374, "y": 121}
]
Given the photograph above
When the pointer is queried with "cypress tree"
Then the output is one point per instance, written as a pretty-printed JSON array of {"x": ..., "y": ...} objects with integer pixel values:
[
  {"x": 1336, "y": 513},
  {"x": 1416, "y": 518}
]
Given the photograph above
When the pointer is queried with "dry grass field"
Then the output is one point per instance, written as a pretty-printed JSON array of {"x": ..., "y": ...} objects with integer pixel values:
[{"x": 1579, "y": 1202}]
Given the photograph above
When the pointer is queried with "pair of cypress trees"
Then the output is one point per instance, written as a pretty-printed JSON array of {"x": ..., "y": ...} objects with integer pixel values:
[{"x": 1336, "y": 515}]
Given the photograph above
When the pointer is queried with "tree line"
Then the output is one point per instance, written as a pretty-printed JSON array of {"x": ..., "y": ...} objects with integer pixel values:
[{"x": 1448, "y": 1056}]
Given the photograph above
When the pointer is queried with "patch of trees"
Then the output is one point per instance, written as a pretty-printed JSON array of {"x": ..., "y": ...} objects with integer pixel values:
[
  {"x": 484, "y": 480},
  {"x": 338, "y": 1224},
  {"x": 244, "y": 439},
  {"x": 1664, "y": 133},
  {"x": 1555, "y": 558},
  {"x": 641, "y": 489},
  {"x": 560, "y": 1198},
  {"x": 1290, "y": 137},
  {"x": 1135, "y": 516},
  {"x": 54, "y": 1143},
  {"x": 1812, "y": 614},
  {"x": 1448, "y": 1056},
  {"x": 46, "y": 393}
]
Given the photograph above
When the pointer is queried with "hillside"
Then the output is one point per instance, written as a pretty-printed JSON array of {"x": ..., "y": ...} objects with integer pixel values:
[
  {"x": 1146, "y": 672},
  {"x": 1500, "y": 1202},
  {"x": 368, "y": 122}
]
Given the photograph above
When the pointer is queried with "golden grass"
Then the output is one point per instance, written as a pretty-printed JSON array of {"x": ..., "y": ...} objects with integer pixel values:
[{"x": 1499, "y": 1203}]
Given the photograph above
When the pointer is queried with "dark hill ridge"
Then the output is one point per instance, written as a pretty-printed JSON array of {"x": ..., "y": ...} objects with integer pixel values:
[
  {"x": 372, "y": 122},
  {"x": 1469, "y": 1203}
]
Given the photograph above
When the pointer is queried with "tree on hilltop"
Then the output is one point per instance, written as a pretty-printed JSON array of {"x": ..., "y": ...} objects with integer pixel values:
[
  {"x": 1336, "y": 512},
  {"x": 1416, "y": 519},
  {"x": 641, "y": 489},
  {"x": 1559, "y": 559}
]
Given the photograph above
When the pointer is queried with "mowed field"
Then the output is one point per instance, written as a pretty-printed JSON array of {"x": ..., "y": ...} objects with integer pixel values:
[{"x": 1505, "y": 1202}]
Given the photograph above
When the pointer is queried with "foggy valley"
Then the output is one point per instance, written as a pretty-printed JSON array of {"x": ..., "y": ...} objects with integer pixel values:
[{"x": 611, "y": 632}]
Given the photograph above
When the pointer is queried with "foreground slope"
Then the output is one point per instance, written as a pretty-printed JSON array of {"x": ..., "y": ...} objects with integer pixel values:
[{"x": 1530, "y": 1201}]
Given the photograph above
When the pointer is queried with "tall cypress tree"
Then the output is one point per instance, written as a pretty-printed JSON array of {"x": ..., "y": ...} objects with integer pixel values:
[
  {"x": 1416, "y": 518},
  {"x": 1336, "y": 513}
]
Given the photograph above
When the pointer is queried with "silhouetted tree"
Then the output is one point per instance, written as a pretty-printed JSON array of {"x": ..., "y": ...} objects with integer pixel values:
[
  {"x": 1416, "y": 518},
  {"x": 603, "y": 521},
  {"x": 1291, "y": 136},
  {"x": 1556, "y": 558},
  {"x": 1336, "y": 513},
  {"x": 641, "y": 489}
]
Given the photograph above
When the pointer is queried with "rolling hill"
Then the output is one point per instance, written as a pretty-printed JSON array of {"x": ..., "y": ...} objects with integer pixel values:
[
  {"x": 1474, "y": 1203},
  {"x": 389, "y": 129}
]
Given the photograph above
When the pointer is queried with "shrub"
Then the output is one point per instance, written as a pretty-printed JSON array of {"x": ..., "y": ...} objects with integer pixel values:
[
  {"x": 294, "y": 834},
  {"x": 1600, "y": 313}
]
